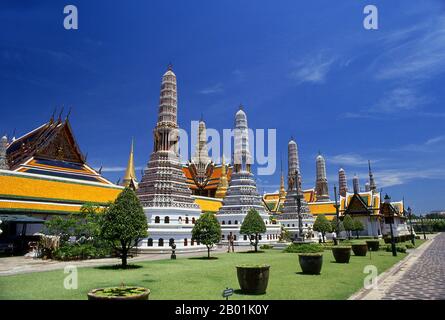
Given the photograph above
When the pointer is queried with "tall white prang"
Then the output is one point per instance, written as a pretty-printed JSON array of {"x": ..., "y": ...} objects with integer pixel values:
[
  {"x": 289, "y": 218},
  {"x": 321, "y": 185},
  {"x": 171, "y": 211},
  {"x": 242, "y": 194}
]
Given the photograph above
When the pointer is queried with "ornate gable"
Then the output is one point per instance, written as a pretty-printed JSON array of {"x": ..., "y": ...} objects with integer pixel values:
[
  {"x": 357, "y": 205},
  {"x": 61, "y": 145}
]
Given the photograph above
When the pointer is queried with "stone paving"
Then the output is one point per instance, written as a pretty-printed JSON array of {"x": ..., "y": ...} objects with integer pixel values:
[
  {"x": 419, "y": 276},
  {"x": 425, "y": 280}
]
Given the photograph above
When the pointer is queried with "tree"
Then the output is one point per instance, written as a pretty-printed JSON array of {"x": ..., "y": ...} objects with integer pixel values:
[
  {"x": 207, "y": 231},
  {"x": 89, "y": 222},
  {"x": 253, "y": 225},
  {"x": 62, "y": 227},
  {"x": 358, "y": 226},
  {"x": 348, "y": 224},
  {"x": 124, "y": 223},
  {"x": 322, "y": 225},
  {"x": 337, "y": 226}
]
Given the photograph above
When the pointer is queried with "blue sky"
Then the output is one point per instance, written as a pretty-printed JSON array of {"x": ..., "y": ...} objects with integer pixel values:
[{"x": 307, "y": 68}]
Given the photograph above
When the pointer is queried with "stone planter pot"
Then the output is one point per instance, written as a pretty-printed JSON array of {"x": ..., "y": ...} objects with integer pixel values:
[
  {"x": 341, "y": 254},
  {"x": 119, "y": 294},
  {"x": 310, "y": 263},
  {"x": 373, "y": 245},
  {"x": 360, "y": 249},
  {"x": 253, "y": 279}
]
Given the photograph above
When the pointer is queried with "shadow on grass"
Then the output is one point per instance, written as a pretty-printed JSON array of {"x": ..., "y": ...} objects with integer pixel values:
[
  {"x": 119, "y": 267},
  {"x": 301, "y": 273},
  {"x": 252, "y": 251},
  {"x": 238, "y": 291},
  {"x": 203, "y": 258}
]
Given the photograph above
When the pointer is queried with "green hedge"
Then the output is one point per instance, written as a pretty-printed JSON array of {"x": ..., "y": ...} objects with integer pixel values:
[
  {"x": 399, "y": 248},
  {"x": 81, "y": 252}
]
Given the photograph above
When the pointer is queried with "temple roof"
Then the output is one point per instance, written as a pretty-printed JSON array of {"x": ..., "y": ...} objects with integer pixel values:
[
  {"x": 52, "y": 140},
  {"x": 51, "y": 150}
]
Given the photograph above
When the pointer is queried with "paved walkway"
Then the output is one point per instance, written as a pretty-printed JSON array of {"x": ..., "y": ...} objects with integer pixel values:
[
  {"x": 420, "y": 276},
  {"x": 19, "y": 265}
]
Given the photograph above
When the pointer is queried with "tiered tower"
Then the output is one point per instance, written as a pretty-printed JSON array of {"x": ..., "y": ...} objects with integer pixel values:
[
  {"x": 163, "y": 192},
  {"x": 356, "y": 184},
  {"x": 321, "y": 187},
  {"x": 242, "y": 194},
  {"x": 223, "y": 182},
  {"x": 342, "y": 182},
  {"x": 289, "y": 218},
  {"x": 372, "y": 185},
  {"x": 367, "y": 186},
  {"x": 130, "y": 179},
  {"x": 3, "y": 147},
  {"x": 201, "y": 166},
  {"x": 201, "y": 154}
]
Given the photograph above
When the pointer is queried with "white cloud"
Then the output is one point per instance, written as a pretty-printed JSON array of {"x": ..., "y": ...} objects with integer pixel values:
[
  {"x": 431, "y": 145},
  {"x": 312, "y": 69},
  {"x": 217, "y": 88},
  {"x": 399, "y": 100},
  {"x": 414, "y": 53},
  {"x": 117, "y": 169},
  {"x": 393, "y": 177},
  {"x": 435, "y": 140},
  {"x": 348, "y": 159}
]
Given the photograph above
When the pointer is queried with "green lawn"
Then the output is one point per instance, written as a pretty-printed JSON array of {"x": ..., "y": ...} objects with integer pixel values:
[{"x": 192, "y": 278}]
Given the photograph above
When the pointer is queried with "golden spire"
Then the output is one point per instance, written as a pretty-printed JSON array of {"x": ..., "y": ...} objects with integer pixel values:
[
  {"x": 223, "y": 184},
  {"x": 130, "y": 175},
  {"x": 282, "y": 192}
]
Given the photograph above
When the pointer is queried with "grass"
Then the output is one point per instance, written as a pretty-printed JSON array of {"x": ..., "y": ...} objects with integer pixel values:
[{"x": 191, "y": 278}]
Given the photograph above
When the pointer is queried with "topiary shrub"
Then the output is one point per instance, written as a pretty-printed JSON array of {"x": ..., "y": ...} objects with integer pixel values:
[
  {"x": 399, "y": 248},
  {"x": 304, "y": 248}
]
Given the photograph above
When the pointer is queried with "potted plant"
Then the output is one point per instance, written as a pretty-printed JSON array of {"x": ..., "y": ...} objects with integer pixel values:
[
  {"x": 342, "y": 254},
  {"x": 119, "y": 293},
  {"x": 253, "y": 279},
  {"x": 310, "y": 257},
  {"x": 360, "y": 249},
  {"x": 373, "y": 245}
]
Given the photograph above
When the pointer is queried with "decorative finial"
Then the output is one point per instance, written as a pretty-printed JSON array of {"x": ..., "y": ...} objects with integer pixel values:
[
  {"x": 52, "y": 116},
  {"x": 68, "y": 114},
  {"x": 202, "y": 117},
  {"x": 60, "y": 114},
  {"x": 240, "y": 106},
  {"x": 170, "y": 66}
]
